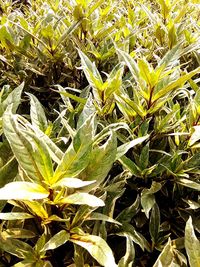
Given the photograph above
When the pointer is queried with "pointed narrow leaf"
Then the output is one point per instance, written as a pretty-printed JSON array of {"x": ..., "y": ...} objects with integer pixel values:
[
  {"x": 92, "y": 74},
  {"x": 128, "y": 213},
  {"x": 77, "y": 156},
  {"x": 128, "y": 259},
  {"x": 154, "y": 224},
  {"x": 14, "y": 98},
  {"x": 128, "y": 230},
  {"x": 121, "y": 150},
  {"x": 101, "y": 160},
  {"x": 188, "y": 183},
  {"x": 101, "y": 217},
  {"x": 166, "y": 257},
  {"x": 19, "y": 233},
  {"x": 173, "y": 85},
  {"x": 57, "y": 240},
  {"x": 38, "y": 117},
  {"x": 195, "y": 136},
  {"x": 145, "y": 72},
  {"x": 171, "y": 56},
  {"x": 130, "y": 62},
  {"x": 130, "y": 166},
  {"x": 15, "y": 216},
  {"x": 88, "y": 111},
  {"x": 10, "y": 167},
  {"x": 54, "y": 151},
  {"x": 192, "y": 245}
]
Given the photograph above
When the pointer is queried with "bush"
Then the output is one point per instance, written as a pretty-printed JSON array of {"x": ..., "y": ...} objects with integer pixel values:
[{"x": 99, "y": 125}]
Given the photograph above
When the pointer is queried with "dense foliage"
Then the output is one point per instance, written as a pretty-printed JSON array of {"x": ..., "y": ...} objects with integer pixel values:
[{"x": 100, "y": 133}]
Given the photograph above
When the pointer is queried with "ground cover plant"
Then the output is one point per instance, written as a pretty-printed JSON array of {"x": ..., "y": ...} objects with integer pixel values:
[{"x": 100, "y": 133}]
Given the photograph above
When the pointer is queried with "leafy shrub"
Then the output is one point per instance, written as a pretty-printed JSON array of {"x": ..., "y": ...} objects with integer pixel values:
[{"x": 99, "y": 125}]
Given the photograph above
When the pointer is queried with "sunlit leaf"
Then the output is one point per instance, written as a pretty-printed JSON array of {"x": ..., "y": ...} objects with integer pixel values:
[
  {"x": 38, "y": 117},
  {"x": 15, "y": 216},
  {"x": 72, "y": 183},
  {"x": 97, "y": 247},
  {"x": 101, "y": 160},
  {"x": 23, "y": 191},
  {"x": 167, "y": 257},
  {"x": 176, "y": 84},
  {"x": 192, "y": 245},
  {"x": 14, "y": 98},
  {"x": 82, "y": 199},
  {"x": 188, "y": 183},
  {"x": 57, "y": 240}
]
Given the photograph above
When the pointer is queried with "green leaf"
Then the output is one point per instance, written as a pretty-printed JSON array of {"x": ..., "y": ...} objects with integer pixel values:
[
  {"x": 9, "y": 167},
  {"x": 147, "y": 197},
  {"x": 188, "y": 183},
  {"x": 167, "y": 257},
  {"x": 146, "y": 72},
  {"x": 144, "y": 157},
  {"x": 14, "y": 98},
  {"x": 171, "y": 56},
  {"x": 195, "y": 136},
  {"x": 88, "y": 111},
  {"x": 130, "y": 166},
  {"x": 97, "y": 247},
  {"x": 154, "y": 224},
  {"x": 15, "y": 216},
  {"x": 92, "y": 74},
  {"x": 16, "y": 247},
  {"x": 101, "y": 217},
  {"x": 72, "y": 183},
  {"x": 121, "y": 150},
  {"x": 54, "y": 151},
  {"x": 23, "y": 191},
  {"x": 82, "y": 199},
  {"x": 128, "y": 213},
  {"x": 128, "y": 259},
  {"x": 36, "y": 208},
  {"x": 41, "y": 156},
  {"x": 128, "y": 230},
  {"x": 85, "y": 133},
  {"x": 66, "y": 33},
  {"x": 122, "y": 99},
  {"x": 101, "y": 160},
  {"x": 74, "y": 97},
  {"x": 130, "y": 62},
  {"x": 173, "y": 85},
  {"x": 82, "y": 213},
  {"x": 77, "y": 156},
  {"x": 38, "y": 117},
  {"x": 57, "y": 240},
  {"x": 192, "y": 204},
  {"x": 30, "y": 151},
  {"x": 192, "y": 245},
  {"x": 19, "y": 233}
]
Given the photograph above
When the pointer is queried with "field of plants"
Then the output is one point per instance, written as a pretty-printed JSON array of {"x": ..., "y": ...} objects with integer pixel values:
[{"x": 100, "y": 133}]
